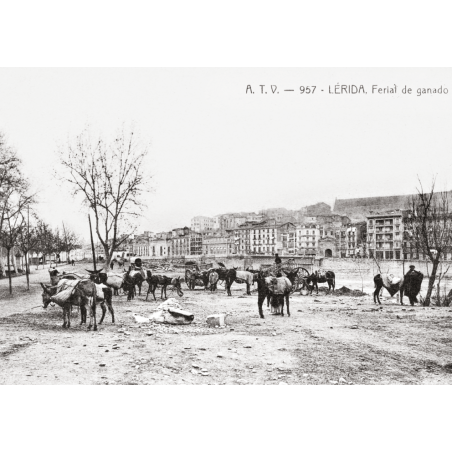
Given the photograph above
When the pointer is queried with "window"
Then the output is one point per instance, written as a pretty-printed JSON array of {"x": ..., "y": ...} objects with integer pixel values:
[{"x": 397, "y": 254}]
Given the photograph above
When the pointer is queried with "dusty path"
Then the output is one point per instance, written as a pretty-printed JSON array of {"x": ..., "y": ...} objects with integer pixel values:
[{"x": 327, "y": 340}]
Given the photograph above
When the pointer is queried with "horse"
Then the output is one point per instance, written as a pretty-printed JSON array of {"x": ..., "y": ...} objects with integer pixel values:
[
  {"x": 262, "y": 292},
  {"x": 82, "y": 293},
  {"x": 132, "y": 279},
  {"x": 234, "y": 275},
  {"x": 222, "y": 272},
  {"x": 163, "y": 281},
  {"x": 276, "y": 290},
  {"x": 195, "y": 278},
  {"x": 104, "y": 295},
  {"x": 315, "y": 278},
  {"x": 292, "y": 276},
  {"x": 410, "y": 286}
]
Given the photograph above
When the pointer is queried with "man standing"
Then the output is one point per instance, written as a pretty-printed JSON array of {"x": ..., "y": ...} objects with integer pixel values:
[
  {"x": 139, "y": 267},
  {"x": 278, "y": 265},
  {"x": 412, "y": 284}
]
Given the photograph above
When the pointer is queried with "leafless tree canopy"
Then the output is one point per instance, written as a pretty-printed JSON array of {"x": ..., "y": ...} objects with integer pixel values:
[
  {"x": 14, "y": 194},
  {"x": 428, "y": 228},
  {"x": 14, "y": 199},
  {"x": 70, "y": 240},
  {"x": 110, "y": 177}
]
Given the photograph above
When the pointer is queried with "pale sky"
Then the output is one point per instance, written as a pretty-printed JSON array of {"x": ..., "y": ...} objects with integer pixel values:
[{"x": 216, "y": 149}]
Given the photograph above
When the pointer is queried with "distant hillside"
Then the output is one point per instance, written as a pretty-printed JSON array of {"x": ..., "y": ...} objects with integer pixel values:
[{"x": 320, "y": 208}]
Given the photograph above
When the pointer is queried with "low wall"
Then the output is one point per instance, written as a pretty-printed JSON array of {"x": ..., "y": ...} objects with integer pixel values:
[
  {"x": 351, "y": 268},
  {"x": 255, "y": 262},
  {"x": 235, "y": 261}
]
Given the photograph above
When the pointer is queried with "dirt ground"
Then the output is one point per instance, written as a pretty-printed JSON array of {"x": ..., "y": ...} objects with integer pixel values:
[{"x": 328, "y": 339}]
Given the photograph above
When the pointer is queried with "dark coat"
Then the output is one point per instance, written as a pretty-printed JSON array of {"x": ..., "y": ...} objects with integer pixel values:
[{"x": 412, "y": 283}]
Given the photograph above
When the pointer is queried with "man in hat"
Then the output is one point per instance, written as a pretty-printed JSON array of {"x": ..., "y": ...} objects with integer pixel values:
[
  {"x": 412, "y": 284},
  {"x": 278, "y": 265}
]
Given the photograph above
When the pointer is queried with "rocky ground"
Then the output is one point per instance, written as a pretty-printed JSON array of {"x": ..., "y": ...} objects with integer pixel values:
[{"x": 328, "y": 339}]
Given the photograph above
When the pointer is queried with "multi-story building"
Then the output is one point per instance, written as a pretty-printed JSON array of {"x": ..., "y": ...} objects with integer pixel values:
[
  {"x": 385, "y": 234},
  {"x": 286, "y": 238},
  {"x": 256, "y": 238},
  {"x": 140, "y": 244},
  {"x": 330, "y": 235},
  {"x": 218, "y": 243},
  {"x": 307, "y": 239},
  {"x": 201, "y": 224},
  {"x": 351, "y": 239},
  {"x": 180, "y": 242},
  {"x": 232, "y": 220},
  {"x": 160, "y": 247},
  {"x": 195, "y": 240},
  {"x": 217, "y": 222}
]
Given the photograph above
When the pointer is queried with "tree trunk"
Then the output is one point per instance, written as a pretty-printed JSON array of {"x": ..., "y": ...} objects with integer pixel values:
[
  {"x": 27, "y": 270},
  {"x": 438, "y": 295},
  {"x": 108, "y": 258},
  {"x": 14, "y": 262},
  {"x": 431, "y": 282},
  {"x": 2, "y": 267},
  {"x": 9, "y": 271}
]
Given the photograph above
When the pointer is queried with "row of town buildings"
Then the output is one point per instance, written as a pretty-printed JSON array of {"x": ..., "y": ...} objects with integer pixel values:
[{"x": 360, "y": 227}]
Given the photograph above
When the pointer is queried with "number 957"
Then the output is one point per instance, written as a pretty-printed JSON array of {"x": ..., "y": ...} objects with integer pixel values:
[{"x": 307, "y": 89}]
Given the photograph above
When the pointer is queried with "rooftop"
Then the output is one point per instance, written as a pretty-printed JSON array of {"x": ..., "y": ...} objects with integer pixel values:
[{"x": 359, "y": 208}]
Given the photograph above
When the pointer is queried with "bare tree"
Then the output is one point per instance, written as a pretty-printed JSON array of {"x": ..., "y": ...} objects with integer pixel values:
[
  {"x": 14, "y": 198},
  {"x": 109, "y": 174},
  {"x": 58, "y": 245},
  {"x": 27, "y": 240},
  {"x": 70, "y": 240},
  {"x": 45, "y": 240},
  {"x": 428, "y": 229},
  {"x": 12, "y": 225},
  {"x": 363, "y": 267}
]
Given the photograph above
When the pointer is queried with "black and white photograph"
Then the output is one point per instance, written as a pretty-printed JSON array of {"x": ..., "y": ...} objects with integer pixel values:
[{"x": 225, "y": 226}]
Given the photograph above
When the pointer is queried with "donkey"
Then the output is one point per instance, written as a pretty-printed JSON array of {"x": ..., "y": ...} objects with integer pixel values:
[
  {"x": 315, "y": 278},
  {"x": 104, "y": 295},
  {"x": 163, "y": 281},
  {"x": 83, "y": 294}
]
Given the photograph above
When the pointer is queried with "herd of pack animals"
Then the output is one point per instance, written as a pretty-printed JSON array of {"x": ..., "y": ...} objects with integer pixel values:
[{"x": 274, "y": 284}]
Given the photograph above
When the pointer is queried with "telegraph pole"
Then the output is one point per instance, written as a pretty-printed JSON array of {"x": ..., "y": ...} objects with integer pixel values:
[
  {"x": 27, "y": 255},
  {"x": 92, "y": 243}
]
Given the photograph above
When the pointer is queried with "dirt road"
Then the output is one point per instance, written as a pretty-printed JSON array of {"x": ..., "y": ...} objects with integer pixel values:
[{"x": 327, "y": 340}]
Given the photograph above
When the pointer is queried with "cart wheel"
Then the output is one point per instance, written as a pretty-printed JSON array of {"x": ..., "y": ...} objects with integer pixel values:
[{"x": 301, "y": 278}]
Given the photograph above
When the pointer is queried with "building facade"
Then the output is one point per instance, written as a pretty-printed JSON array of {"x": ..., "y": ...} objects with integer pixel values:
[
  {"x": 201, "y": 224},
  {"x": 219, "y": 244},
  {"x": 385, "y": 234},
  {"x": 307, "y": 239},
  {"x": 256, "y": 238}
]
